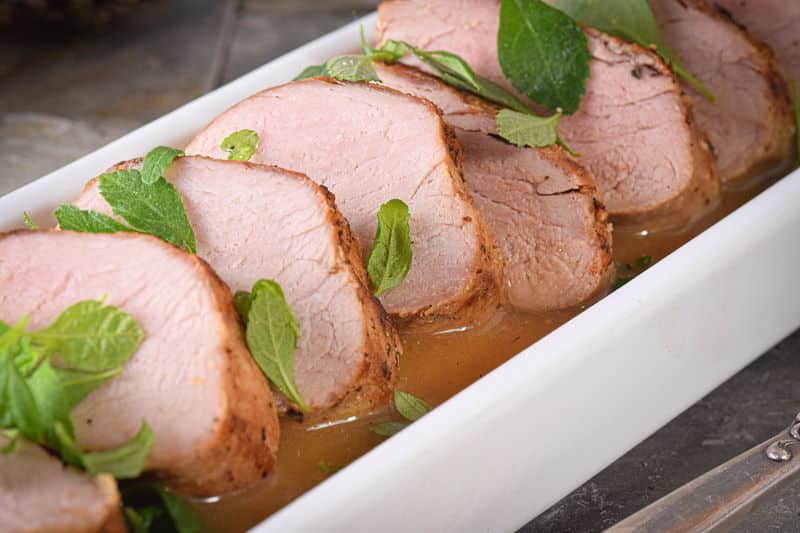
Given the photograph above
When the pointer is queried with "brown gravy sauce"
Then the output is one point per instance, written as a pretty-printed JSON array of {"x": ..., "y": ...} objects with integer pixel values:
[{"x": 435, "y": 366}]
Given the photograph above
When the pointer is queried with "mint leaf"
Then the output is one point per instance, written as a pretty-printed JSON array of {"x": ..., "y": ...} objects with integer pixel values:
[
  {"x": 242, "y": 301},
  {"x": 156, "y": 209},
  {"x": 632, "y": 20},
  {"x": 272, "y": 334},
  {"x": 71, "y": 218},
  {"x": 20, "y": 410},
  {"x": 91, "y": 336},
  {"x": 240, "y": 145},
  {"x": 543, "y": 53},
  {"x": 26, "y": 218},
  {"x": 390, "y": 258},
  {"x": 387, "y": 429},
  {"x": 157, "y": 161},
  {"x": 159, "y": 508},
  {"x": 127, "y": 461},
  {"x": 311, "y": 71},
  {"x": 524, "y": 129},
  {"x": 351, "y": 68},
  {"x": 52, "y": 404},
  {"x": 77, "y": 385},
  {"x": 409, "y": 406}
]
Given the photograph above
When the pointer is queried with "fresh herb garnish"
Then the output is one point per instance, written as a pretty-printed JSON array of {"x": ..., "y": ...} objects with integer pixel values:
[
  {"x": 796, "y": 108},
  {"x": 240, "y": 145},
  {"x": 90, "y": 341},
  {"x": 632, "y": 20},
  {"x": 311, "y": 72},
  {"x": 157, "y": 161},
  {"x": 71, "y": 218},
  {"x": 272, "y": 334},
  {"x": 351, "y": 68},
  {"x": 328, "y": 468},
  {"x": 409, "y": 407},
  {"x": 543, "y": 53},
  {"x": 642, "y": 262},
  {"x": 149, "y": 507},
  {"x": 390, "y": 258},
  {"x": 26, "y": 218},
  {"x": 525, "y": 129}
]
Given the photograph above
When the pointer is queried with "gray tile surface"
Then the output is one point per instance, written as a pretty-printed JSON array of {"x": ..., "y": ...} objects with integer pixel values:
[{"x": 63, "y": 95}]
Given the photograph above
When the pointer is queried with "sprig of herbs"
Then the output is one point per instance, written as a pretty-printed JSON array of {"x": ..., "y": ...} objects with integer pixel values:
[
  {"x": 91, "y": 342},
  {"x": 154, "y": 207},
  {"x": 390, "y": 258},
  {"x": 409, "y": 407},
  {"x": 272, "y": 334},
  {"x": 632, "y": 20},
  {"x": 240, "y": 145}
]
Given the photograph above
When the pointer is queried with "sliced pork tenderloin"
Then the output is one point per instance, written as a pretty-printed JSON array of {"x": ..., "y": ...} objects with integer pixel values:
[
  {"x": 750, "y": 122},
  {"x": 252, "y": 222},
  {"x": 776, "y": 22},
  {"x": 369, "y": 144},
  {"x": 634, "y": 130},
  {"x": 192, "y": 379},
  {"x": 540, "y": 206},
  {"x": 38, "y": 494}
]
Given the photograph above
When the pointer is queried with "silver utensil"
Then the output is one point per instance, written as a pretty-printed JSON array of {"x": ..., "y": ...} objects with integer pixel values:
[{"x": 719, "y": 498}]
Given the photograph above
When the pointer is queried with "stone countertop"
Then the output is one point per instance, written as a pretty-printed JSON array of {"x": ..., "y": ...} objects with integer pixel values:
[{"x": 64, "y": 94}]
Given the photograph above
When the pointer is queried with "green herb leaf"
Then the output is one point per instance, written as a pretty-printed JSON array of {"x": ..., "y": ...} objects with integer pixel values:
[
  {"x": 127, "y": 461},
  {"x": 241, "y": 145},
  {"x": 311, "y": 71},
  {"x": 387, "y": 429},
  {"x": 156, "y": 209},
  {"x": 632, "y": 20},
  {"x": 796, "y": 108},
  {"x": 409, "y": 406},
  {"x": 18, "y": 403},
  {"x": 91, "y": 336},
  {"x": 167, "y": 511},
  {"x": 26, "y": 218},
  {"x": 327, "y": 468},
  {"x": 52, "y": 404},
  {"x": 390, "y": 258},
  {"x": 543, "y": 53},
  {"x": 71, "y": 218},
  {"x": 157, "y": 161},
  {"x": 142, "y": 519},
  {"x": 524, "y": 129},
  {"x": 644, "y": 261},
  {"x": 351, "y": 68},
  {"x": 272, "y": 334},
  {"x": 242, "y": 301},
  {"x": 77, "y": 384},
  {"x": 12, "y": 437}
]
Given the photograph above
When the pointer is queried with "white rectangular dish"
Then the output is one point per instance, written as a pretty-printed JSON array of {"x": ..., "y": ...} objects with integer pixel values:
[{"x": 513, "y": 443}]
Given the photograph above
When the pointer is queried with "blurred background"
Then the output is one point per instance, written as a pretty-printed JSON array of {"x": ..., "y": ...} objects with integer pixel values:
[{"x": 76, "y": 74}]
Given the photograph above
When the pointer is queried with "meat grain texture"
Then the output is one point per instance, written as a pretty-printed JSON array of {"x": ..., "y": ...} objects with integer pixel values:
[
  {"x": 40, "y": 495},
  {"x": 634, "y": 129},
  {"x": 192, "y": 379},
  {"x": 252, "y": 222},
  {"x": 750, "y": 123},
  {"x": 369, "y": 144},
  {"x": 540, "y": 205},
  {"x": 776, "y": 22}
]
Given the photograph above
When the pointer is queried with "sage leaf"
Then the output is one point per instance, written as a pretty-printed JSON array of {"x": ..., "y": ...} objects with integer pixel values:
[
  {"x": 240, "y": 145},
  {"x": 390, "y": 257},
  {"x": 125, "y": 462},
  {"x": 72, "y": 218},
  {"x": 311, "y": 71},
  {"x": 156, "y": 209},
  {"x": 632, "y": 20},
  {"x": 91, "y": 336},
  {"x": 272, "y": 334},
  {"x": 351, "y": 68},
  {"x": 525, "y": 129},
  {"x": 157, "y": 161},
  {"x": 543, "y": 53},
  {"x": 409, "y": 406}
]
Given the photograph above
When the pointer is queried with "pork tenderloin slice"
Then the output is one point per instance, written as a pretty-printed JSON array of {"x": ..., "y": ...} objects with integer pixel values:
[
  {"x": 633, "y": 129},
  {"x": 38, "y": 494},
  {"x": 749, "y": 124},
  {"x": 251, "y": 222},
  {"x": 775, "y": 22},
  {"x": 540, "y": 206},
  {"x": 192, "y": 379},
  {"x": 369, "y": 144}
]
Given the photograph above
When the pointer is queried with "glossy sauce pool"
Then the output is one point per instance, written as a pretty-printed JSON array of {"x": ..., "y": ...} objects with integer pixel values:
[{"x": 435, "y": 366}]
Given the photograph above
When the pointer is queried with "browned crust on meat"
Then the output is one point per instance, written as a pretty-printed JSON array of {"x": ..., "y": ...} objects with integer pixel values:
[
  {"x": 701, "y": 192},
  {"x": 243, "y": 447},
  {"x": 778, "y": 148},
  {"x": 378, "y": 374}
]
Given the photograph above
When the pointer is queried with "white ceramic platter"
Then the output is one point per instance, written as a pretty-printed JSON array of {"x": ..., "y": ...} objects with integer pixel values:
[{"x": 515, "y": 442}]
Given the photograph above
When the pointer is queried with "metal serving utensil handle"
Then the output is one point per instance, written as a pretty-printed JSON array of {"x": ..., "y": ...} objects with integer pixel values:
[{"x": 715, "y": 500}]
